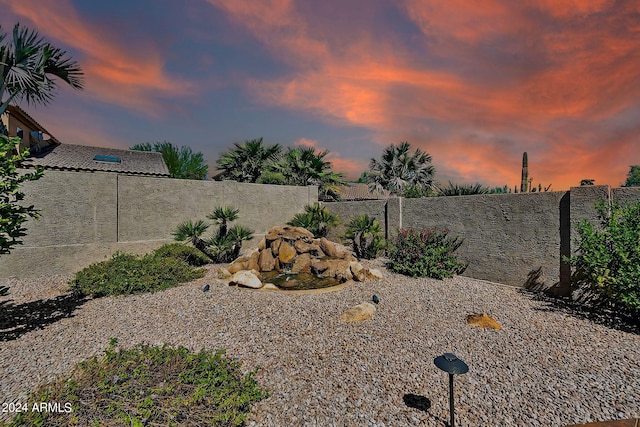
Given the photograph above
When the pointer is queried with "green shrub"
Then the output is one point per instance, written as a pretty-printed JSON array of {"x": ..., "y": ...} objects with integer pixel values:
[
  {"x": 426, "y": 252},
  {"x": 126, "y": 274},
  {"x": 317, "y": 219},
  {"x": 364, "y": 234},
  {"x": 149, "y": 385},
  {"x": 188, "y": 254},
  {"x": 608, "y": 260}
]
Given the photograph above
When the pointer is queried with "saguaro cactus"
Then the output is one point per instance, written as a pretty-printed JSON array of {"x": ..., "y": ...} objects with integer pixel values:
[{"x": 524, "y": 183}]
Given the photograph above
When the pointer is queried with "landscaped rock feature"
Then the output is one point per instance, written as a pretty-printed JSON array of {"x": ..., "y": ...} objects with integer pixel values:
[
  {"x": 293, "y": 250},
  {"x": 484, "y": 321},
  {"x": 247, "y": 279},
  {"x": 358, "y": 313}
]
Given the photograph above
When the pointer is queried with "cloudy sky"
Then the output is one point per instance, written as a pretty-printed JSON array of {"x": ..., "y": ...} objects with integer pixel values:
[{"x": 474, "y": 83}]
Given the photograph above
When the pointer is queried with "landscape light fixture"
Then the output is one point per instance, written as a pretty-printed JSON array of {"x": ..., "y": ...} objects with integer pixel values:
[{"x": 450, "y": 363}]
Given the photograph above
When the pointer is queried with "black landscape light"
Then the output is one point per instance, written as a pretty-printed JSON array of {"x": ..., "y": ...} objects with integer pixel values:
[{"x": 450, "y": 363}]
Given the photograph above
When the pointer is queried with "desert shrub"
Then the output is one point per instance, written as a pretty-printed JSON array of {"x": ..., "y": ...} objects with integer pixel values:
[
  {"x": 188, "y": 254},
  {"x": 427, "y": 252},
  {"x": 607, "y": 263},
  {"x": 364, "y": 234},
  {"x": 126, "y": 274},
  {"x": 149, "y": 385},
  {"x": 315, "y": 218}
]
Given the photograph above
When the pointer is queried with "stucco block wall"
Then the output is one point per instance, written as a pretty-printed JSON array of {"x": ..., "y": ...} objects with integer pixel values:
[
  {"x": 86, "y": 216},
  {"x": 508, "y": 238},
  {"x": 346, "y": 211}
]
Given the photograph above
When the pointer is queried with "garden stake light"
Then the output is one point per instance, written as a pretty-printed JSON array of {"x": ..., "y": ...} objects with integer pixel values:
[{"x": 450, "y": 363}]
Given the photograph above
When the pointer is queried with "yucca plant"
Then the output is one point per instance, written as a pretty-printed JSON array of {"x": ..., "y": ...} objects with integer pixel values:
[
  {"x": 364, "y": 234},
  {"x": 315, "y": 218}
]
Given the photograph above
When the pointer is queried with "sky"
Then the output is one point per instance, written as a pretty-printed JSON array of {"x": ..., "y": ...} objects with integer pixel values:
[{"x": 473, "y": 83}]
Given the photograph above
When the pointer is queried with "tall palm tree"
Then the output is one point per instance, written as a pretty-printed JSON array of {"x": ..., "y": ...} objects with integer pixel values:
[
  {"x": 246, "y": 162},
  {"x": 399, "y": 167},
  {"x": 303, "y": 166},
  {"x": 27, "y": 65},
  {"x": 181, "y": 162}
]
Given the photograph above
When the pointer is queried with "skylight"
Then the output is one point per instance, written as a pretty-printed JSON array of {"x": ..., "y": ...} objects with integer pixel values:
[{"x": 106, "y": 159}]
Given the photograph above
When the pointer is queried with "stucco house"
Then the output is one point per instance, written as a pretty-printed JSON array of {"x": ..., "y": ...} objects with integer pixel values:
[{"x": 46, "y": 151}]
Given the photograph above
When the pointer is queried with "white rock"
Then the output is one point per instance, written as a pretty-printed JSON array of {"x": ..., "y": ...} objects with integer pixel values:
[{"x": 246, "y": 279}]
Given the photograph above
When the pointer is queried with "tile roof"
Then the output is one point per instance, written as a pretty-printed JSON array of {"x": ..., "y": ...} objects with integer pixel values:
[
  {"x": 361, "y": 192},
  {"x": 81, "y": 158}
]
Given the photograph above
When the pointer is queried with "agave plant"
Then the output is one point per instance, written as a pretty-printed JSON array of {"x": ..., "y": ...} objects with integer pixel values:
[
  {"x": 315, "y": 218},
  {"x": 364, "y": 234}
]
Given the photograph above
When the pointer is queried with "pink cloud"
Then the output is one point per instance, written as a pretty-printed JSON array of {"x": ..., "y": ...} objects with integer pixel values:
[{"x": 130, "y": 77}]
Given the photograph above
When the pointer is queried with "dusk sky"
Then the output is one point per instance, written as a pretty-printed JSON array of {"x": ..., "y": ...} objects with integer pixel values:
[{"x": 473, "y": 83}]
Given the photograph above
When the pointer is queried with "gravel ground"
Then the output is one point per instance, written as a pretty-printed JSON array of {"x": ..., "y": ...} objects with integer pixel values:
[{"x": 545, "y": 368}]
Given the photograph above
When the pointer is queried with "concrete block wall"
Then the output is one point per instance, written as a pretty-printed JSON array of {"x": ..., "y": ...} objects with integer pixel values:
[
  {"x": 86, "y": 216},
  {"x": 514, "y": 239}
]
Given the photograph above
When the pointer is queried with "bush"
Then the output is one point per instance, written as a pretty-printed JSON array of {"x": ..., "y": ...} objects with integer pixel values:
[
  {"x": 126, "y": 274},
  {"x": 608, "y": 260},
  {"x": 317, "y": 219},
  {"x": 188, "y": 254},
  {"x": 364, "y": 234},
  {"x": 425, "y": 252},
  {"x": 149, "y": 385}
]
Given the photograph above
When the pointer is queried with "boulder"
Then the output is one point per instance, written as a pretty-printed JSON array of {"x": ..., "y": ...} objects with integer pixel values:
[
  {"x": 286, "y": 253},
  {"x": 319, "y": 266},
  {"x": 289, "y": 233},
  {"x": 327, "y": 247},
  {"x": 262, "y": 244},
  {"x": 223, "y": 273},
  {"x": 275, "y": 246},
  {"x": 302, "y": 264},
  {"x": 484, "y": 321},
  {"x": 303, "y": 247},
  {"x": 373, "y": 273},
  {"x": 246, "y": 279},
  {"x": 266, "y": 262},
  {"x": 253, "y": 264},
  {"x": 358, "y": 313},
  {"x": 239, "y": 264},
  {"x": 269, "y": 287},
  {"x": 357, "y": 271}
]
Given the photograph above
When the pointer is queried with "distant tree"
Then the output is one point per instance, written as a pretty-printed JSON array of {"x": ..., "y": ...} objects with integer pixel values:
[
  {"x": 399, "y": 167},
  {"x": 587, "y": 182},
  {"x": 463, "y": 190},
  {"x": 500, "y": 190},
  {"x": 363, "y": 178},
  {"x": 13, "y": 214},
  {"x": 246, "y": 162},
  {"x": 181, "y": 162},
  {"x": 305, "y": 166},
  {"x": 27, "y": 65},
  {"x": 633, "y": 177}
]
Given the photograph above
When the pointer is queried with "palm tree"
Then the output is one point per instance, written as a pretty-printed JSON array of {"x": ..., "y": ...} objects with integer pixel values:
[
  {"x": 303, "y": 166},
  {"x": 315, "y": 218},
  {"x": 247, "y": 161},
  {"x": 399, "y": 168},
  {"x": 223, "y": 216},
  {"x": 193, "y": 231},
  {"x": 27, "y": 65},
  {"x": 181, "y": 162},
  {"x": 364, "y": 233}
]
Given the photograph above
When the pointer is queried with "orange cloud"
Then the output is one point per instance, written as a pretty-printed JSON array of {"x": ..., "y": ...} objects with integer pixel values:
[
  {"x": 568, "y": 65},
  {"x": 131, "y": 78}
]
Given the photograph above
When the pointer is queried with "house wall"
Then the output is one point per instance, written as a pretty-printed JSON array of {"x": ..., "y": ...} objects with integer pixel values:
[
  {"x": 515, "y": 239},
  {"x": 86, "y": 216},
  {"x": 13, "y": 122}
]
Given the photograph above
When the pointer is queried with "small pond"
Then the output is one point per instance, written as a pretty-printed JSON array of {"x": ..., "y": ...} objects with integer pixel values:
[{"x": 298, "y": 282}]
